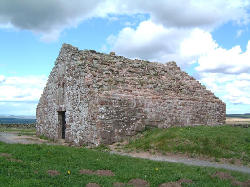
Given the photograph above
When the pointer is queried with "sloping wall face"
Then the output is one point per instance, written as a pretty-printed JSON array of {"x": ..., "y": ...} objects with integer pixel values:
[
  {"x": 108, "y": 97},
  {"x": 46, "y": 111},
  {"x": 66, "y": 91},
  {"x": 120, "y": 116},
  {"x": 168, "y": 112},
  {"x": 117, "y": 117}
]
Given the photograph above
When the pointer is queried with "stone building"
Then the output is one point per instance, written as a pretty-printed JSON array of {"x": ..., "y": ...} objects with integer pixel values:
[{"x": 95, "y": 98}]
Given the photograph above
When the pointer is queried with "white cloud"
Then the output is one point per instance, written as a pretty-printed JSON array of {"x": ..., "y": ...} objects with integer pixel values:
[
  {"x": 232, "y": 61},
  {"x": 155, "y": 42},
  {"x": 25, "y": 89},
  {"x": 239, "y": 33},
  {"x": 149, "y": 41},
  {"x": 213, "y": 58},
  {"x": 46, "y": 17},
  {"x": 51, "y": 36},
  {"x": 2, "y": 78},
  {"x": 233, "y": 89},
  {"x": 198, "y": 43},
  {"x": 226, "y": 72},
  {"x": 20, "y": 95},
  {"x": 18, "y": 108},
  {"x": 181, "y": 13},
  {"x": 50, "y": 17}
]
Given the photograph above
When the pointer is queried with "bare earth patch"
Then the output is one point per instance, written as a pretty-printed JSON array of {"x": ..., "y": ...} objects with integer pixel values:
[
  {"x": 119, "y": 184},
  {"x": 5, "y": 155},
  {"x": 104, "y": 173},
  {"x": 53, "y": 172},
  {"x": 36, "y": 172},
  {"x": 92, "y": 185},
  {"x": 8, "y": 156},
  {"x": 14, "y": 160},
  {"x": 86, "y": 171},
  {"x": 185, "y": 181},
  {"x": 10, "y": 137},
  {"x": 244, "y": 184},
  {"x": 223, "y": 175},
  {"x": 177, "y": 183},
  {"x": 98, "y": 172},
  {"x": 138, "y": 183},
  {"x": 170, "y": 184},
  {"x": 234, "y": 182}
]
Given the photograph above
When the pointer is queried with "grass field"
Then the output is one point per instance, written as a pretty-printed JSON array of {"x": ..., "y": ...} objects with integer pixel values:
[
  {"x": 28, "y": 165},
  {"x": 217, "y": 142}
]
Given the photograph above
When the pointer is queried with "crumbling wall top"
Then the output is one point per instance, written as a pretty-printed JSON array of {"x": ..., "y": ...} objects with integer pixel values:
[{"x": 117, "y": 74}]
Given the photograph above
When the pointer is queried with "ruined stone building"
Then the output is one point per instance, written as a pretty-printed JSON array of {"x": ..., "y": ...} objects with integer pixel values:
[{"x": 96, "y": 98}]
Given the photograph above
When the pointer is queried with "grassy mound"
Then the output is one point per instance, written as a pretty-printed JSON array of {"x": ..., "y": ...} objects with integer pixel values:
[
  {"x": 43, "y": 165},
  {"x": 217, "y": 141}
]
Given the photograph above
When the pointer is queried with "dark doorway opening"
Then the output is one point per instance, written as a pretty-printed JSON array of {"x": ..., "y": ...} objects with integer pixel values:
[{"x": 62, "y": 123}]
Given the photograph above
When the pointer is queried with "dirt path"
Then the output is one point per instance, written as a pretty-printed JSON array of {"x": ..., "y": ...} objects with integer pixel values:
[
  {"x": 188, "y": 161},
  {"x": 14, "y": 138}
]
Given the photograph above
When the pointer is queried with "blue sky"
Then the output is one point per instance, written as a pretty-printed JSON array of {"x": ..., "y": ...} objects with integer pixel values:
[{"x": 209, "y": 40}]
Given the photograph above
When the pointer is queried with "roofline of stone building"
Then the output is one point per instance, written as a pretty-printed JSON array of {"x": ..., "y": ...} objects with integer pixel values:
[
  {"x": 113, "y": 54},
  {"x": 173, "y": 64}
]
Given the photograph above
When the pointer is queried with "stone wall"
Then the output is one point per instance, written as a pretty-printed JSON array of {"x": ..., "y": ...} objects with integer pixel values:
[
  {"x": 108, "y": 97},
  {"x": 66, "y": 91},
  {"x": 119, "y": 116}
]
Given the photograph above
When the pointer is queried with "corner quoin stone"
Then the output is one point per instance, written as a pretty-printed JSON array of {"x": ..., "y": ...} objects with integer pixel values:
[{"x": 107, "y": 98}]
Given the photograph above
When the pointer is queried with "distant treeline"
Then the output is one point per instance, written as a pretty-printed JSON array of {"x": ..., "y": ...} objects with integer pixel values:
[
  {"x": 247, "y": 115},
  {"x": 16, "y": 121}
]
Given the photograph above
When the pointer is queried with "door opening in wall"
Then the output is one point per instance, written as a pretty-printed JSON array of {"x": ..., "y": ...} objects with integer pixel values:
[{"x": 62, "y": 123}]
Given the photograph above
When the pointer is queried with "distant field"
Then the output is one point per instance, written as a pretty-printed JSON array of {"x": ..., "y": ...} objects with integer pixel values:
[
  {"x": 239, "y": 115},
  {"x": 237, "y": 120},
  {"x": 16, "y": 121}
]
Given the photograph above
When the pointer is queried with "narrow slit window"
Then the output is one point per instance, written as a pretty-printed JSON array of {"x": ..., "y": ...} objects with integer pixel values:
[{"x": 62, "y": 123}]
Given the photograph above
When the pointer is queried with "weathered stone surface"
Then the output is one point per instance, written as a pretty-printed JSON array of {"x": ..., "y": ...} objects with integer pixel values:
[{"x": 108, "y": 97}]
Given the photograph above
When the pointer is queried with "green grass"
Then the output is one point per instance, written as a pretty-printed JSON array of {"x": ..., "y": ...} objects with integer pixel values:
[
  {"x": 21, "y": 131},
  {"x": 44, "y": 137},
  {"x": 38, "y": 159},
  {"x": 102, "y": 148},
  {"x": 218, "y": 141}
]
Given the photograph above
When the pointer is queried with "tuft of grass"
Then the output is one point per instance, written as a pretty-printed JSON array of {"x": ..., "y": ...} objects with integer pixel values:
[
  {"x": 213, "y": 141},
  {"x": 44, "y": 137},
  {"x": 35, "y": 161},
  {"x": 102, "y": 148}
]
